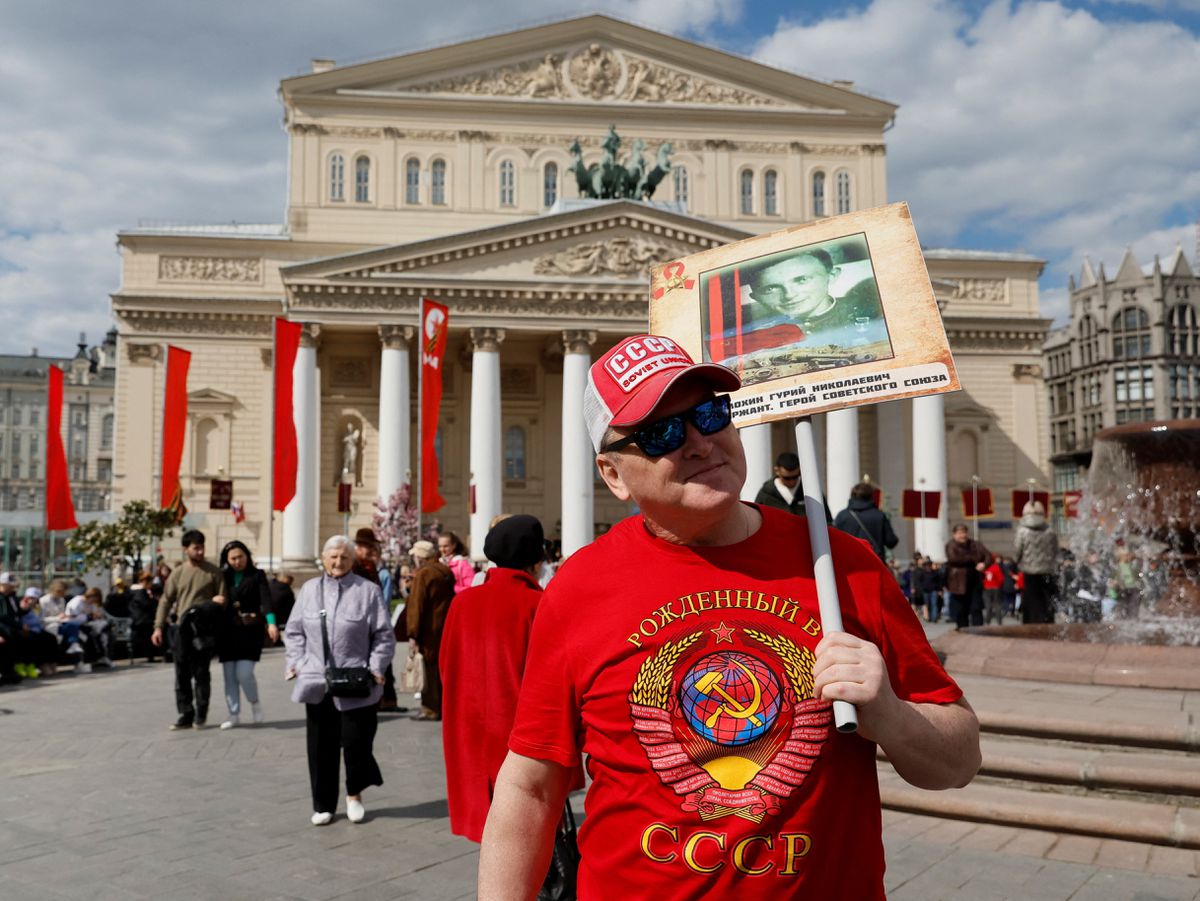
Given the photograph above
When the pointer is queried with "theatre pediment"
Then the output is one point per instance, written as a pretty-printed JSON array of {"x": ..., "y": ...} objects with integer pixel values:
[
  {"x": 592, "y": 59},
  {"x": 613, "y": 241}
]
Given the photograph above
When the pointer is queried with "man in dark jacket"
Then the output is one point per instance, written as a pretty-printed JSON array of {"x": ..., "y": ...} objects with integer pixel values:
[
  {"x": 785, "y": 491},
  {"x": 864, "y": 520}
]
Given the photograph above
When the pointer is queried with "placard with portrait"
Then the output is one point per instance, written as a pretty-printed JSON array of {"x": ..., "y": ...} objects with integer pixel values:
[{"x": 829, "y": 314}]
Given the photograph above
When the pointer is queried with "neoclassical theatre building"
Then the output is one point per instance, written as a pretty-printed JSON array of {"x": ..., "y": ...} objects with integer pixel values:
[{"x": 448, "y": 173}]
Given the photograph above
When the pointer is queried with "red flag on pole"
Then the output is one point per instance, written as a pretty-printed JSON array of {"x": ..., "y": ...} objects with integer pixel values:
[
  {"x": 985, "y": 507},
  {"x": 1023, "y": 496},
  {"x": 287, "y": 456},
  {"x": 60, "y": 512},
  {"x": 1071, "y": 501},
  {"x": 174, "y": 425},
  {"x": 435, "y": 320},
  {"x": 920, "y": 504}
]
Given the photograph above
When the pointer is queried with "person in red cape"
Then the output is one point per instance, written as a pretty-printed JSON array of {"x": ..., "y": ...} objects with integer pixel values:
[
  {"x": 683, "y": 654},
  {"x": 482, "y": 661}
]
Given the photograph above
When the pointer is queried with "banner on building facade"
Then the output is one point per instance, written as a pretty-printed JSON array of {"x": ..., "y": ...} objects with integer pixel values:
[
  {"x": 829, "y": 314},
  {"x": 286, "y": 453},
  {"x": 435, "y": 323},
  {"x": 220, "y": 494},
  {"x": 174, "y": 429},
  {"x": 1071, "y": 501},
  {"x": 60, "y": 511}
]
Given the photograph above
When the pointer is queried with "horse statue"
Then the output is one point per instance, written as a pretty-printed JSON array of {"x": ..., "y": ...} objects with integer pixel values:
[{"x": 645, "y": 187}]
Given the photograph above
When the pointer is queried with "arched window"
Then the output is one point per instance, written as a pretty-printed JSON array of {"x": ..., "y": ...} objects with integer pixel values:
[
  {"x": 508, "y": 184},
  {"x": 679, "y": 176},
  {"x": 1131, "y": 334},
  {"x": 437, "y": 183},
  {"x": 412, "y": 181},
  {"x": 362, "y": 179},
  {"x": 771, "y": 193},
  {"x": 747, "y": 193},
  {"x": 843, "y": 191},
  {"x": 514, "y": 454},
  {"x": 1089, "y": 342},
  {"x": 818, "y": 193},
  {"x": 1183, "y": 333},
  {"x": 550, "y": 185},
  {"x": 337, "y": 177},
  {"x": 106, "y": 432}
]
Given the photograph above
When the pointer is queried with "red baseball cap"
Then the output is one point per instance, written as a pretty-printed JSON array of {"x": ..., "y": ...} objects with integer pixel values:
[{"x": 626, "y": 385}]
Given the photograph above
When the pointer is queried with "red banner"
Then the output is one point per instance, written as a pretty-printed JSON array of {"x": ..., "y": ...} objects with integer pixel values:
[
  {"x": 343, "y": 497},
  {"x": 60, "y": 512},
  {"x": 1071, "y": 501},
  {"x": 1023, "y": 496},
  {"x": 435, "y": 323},
  {"x": 287, "y": 343},
  {"x": 977, "y": 502},
  {"x": 920, "y": 504},
  {"x": 174, "y": 424}
]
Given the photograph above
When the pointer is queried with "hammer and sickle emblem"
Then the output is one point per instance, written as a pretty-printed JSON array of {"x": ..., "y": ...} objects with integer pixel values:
[
  {"x": 674, "y": 275},
  {"x": 710, "y": 682}
]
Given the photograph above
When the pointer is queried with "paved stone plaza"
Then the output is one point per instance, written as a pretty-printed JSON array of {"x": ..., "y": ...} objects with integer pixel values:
[{"x": 99, "y": 800}]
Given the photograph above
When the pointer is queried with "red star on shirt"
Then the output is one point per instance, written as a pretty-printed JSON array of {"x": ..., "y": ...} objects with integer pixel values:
[{"x": 723, "y": 633}]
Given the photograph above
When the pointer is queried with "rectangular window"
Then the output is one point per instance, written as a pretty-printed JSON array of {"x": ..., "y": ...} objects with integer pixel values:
[{"x": 1120, "y": 390}]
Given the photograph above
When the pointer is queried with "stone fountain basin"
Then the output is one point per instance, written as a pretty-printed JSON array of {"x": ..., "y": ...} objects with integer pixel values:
[{"x": 1101, "y": 654}]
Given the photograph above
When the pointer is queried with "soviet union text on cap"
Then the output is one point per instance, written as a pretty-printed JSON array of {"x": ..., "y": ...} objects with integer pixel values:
[{"x": 626, "y": 384}]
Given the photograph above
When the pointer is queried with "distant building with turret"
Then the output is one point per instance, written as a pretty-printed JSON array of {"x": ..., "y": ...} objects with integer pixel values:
[
  {"x": 1131, "y": 353},
  {"x": 88, "y": 427}
]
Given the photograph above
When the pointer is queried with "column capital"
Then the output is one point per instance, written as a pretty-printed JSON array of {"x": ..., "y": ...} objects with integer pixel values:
[
  {"x": 487, "y": 339},
  {"x": 310, "y": 334},
  {"x": 578, "y": 341},
  {"x": 396, "y": 337}
]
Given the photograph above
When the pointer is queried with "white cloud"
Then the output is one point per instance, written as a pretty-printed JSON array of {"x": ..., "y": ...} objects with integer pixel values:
[
  {"x": 1031, "y": 124},
  {"x": 134, "y": 109}
]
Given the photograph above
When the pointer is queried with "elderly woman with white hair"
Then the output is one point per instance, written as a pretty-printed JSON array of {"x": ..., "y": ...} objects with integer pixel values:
[{"x": 339, "y": 643}]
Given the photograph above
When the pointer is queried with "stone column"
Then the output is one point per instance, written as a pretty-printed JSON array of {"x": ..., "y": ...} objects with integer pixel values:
[
  {"x": 756, "y": 442},
  {"x": 578, "y": 456},
  {"x": 394, "y": 414},
  {"x": 889, "y": 438},
  {"x": 487, "y": 451},
  {"x": 929, "y": 471},
  {"x": 841, "y": 457},
  {"x": 300, "y": 517}
]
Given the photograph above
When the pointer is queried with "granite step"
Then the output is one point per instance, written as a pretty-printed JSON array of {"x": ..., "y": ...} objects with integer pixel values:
[{"x": 1020, "y": 805}]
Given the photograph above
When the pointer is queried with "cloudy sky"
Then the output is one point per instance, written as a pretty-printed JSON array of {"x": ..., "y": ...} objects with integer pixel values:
[{"x": 1057, "y": 128}]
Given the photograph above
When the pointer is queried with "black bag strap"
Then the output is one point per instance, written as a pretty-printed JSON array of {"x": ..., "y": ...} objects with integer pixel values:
[
  {"x": 325, "y": 641},
  {"x": 866, "y": 531}
]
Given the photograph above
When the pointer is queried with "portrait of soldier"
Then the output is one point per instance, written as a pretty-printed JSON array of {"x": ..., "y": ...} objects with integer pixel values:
[{"x": 819, "y": 304}]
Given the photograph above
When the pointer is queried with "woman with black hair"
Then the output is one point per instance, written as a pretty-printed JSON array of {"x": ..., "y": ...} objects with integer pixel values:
[{"x": 246, "y": 609}]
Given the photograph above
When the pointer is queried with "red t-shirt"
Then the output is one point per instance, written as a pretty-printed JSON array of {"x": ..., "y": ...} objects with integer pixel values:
[{"x": 684, "y": 674}]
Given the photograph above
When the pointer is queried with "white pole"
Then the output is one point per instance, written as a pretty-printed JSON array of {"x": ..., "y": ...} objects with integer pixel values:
[{"x": 845, "y": 717}]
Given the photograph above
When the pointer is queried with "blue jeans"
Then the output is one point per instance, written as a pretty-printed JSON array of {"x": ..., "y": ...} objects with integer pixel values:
[
  {"x": 933, "y": 604},
  {"x": 239, "y": 674}
]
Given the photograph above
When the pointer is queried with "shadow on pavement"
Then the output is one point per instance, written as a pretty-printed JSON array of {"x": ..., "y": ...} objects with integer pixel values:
[{"x": 427, "y": 810}]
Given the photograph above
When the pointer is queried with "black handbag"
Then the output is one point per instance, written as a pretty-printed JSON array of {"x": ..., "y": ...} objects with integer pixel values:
[
  {"x": 344, "y": 681},
  {"x": 560, "y": 881}
]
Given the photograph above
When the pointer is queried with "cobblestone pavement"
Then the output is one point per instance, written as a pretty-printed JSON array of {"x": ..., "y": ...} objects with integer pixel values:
[{"x": 99, "y": 800}]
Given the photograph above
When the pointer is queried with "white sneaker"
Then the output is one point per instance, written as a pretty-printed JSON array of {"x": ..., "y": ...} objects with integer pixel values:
[
  {"x": 257, "y": 712},
  {"x": 230, "y": 723},
  {"x": 104, "y": 661},
  {"x": 75, "y": 648},
  {"x": 355, "y": 810},
  {"x": 82, "y": 668},
  {"x": 322, "y": 819}
]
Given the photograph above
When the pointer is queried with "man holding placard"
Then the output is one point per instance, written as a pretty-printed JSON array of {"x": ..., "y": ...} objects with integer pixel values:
[{"x": 684, "y": 654}]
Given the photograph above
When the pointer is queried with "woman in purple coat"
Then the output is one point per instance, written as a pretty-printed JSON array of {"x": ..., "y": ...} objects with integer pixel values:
[{"x": 360, "y": 634}]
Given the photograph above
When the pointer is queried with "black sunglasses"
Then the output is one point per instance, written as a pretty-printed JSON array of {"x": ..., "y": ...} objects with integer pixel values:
[{"x": 669, "y": 433}]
